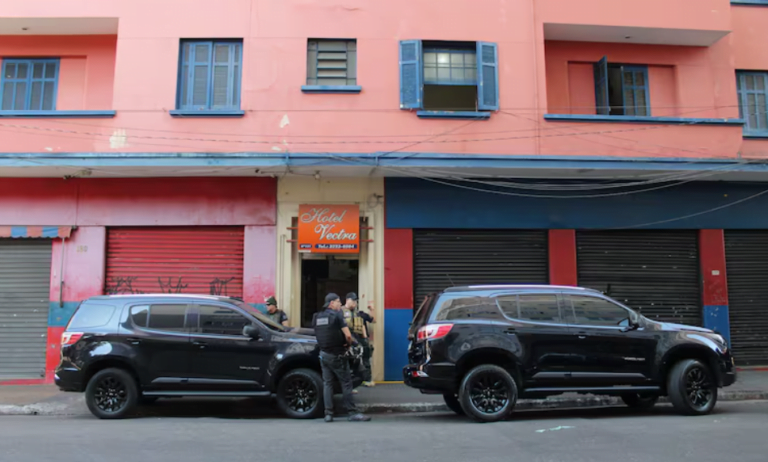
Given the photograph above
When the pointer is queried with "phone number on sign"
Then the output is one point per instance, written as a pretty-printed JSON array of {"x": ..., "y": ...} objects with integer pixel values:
[{"x": 336, "y": 246}]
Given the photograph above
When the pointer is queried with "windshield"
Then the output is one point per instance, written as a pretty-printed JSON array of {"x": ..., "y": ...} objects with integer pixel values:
[{"x": 260, "y": 316}]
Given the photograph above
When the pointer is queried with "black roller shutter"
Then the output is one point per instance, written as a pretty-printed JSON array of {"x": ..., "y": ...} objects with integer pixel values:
[
  {"x": 445, "y": 258},
  {"x": 654, "y": 272},
  {"x": 746, "y": 256}
]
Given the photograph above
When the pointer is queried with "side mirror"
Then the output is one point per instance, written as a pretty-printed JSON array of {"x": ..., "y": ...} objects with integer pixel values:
[{"x": 251, "y": 331}]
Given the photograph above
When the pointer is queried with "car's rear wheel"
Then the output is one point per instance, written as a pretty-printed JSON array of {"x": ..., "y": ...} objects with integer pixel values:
[
  {"x": 300, "y": 394},
  {"x": 692, "y": 387},
  {"x": 488, "y": 393},
  {"x": 640, "y": 400},
  {"x": 112, "y": 394},
  {"x": 452, "y": 401}
]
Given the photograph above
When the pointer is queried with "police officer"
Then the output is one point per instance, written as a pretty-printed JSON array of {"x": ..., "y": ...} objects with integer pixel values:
[{"x": 334, "y": 337}]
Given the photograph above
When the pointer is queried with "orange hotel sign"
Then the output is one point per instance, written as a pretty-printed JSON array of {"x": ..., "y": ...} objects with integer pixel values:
[{"x": 329, "y": 228}]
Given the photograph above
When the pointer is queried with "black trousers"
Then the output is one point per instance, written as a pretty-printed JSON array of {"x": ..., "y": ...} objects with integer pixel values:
[
  {"x": 336, "y": 367},
  {"x": 367, "y": 353}
]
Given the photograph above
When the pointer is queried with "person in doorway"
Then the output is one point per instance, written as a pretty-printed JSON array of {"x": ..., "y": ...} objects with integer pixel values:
[
  {"x": 275, "y": 314},
  {"x": 358, "y": 322},
  {"x": 334, "y": 338}
]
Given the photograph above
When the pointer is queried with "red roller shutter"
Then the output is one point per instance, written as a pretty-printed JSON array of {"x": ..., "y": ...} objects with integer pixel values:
[{"x": 193, "y": 260}]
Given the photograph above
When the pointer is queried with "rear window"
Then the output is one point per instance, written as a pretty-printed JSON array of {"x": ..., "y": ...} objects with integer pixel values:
[
  {"x": 90, "y": 316},
  {"x": 421, "y": 314}
]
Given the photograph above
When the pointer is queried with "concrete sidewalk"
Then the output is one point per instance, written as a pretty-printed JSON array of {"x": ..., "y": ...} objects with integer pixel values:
[{"x": 395, "y": 398}]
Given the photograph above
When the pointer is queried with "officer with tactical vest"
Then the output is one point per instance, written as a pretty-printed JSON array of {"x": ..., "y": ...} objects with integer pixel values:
[{"x": 334, "y": 338}]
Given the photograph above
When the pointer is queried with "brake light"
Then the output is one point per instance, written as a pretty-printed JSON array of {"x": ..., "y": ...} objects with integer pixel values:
[
  {"x": 433, "y": 332},
  {"x": 70, "y": 338}
]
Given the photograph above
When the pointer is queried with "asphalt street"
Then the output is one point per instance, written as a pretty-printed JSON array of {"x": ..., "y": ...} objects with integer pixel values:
[{"x": 736, "y": 431}]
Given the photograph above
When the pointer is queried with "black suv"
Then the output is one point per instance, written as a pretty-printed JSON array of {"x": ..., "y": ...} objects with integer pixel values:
[
  {"x": 125, "y": 350},
  {"x": 483, "y": 347}
]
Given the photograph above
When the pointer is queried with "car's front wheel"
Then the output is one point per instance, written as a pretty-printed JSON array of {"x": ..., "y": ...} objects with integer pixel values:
[
  {"x": 640, "y": 400},
  {"x": 692, "y": 387},
  {"x": 488, "y": 393},
  {"x": 300, "y": 394},
  {"x": 112, "y": 394}
]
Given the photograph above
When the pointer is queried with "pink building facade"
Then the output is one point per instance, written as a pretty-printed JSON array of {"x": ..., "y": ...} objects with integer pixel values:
[{"x": 517, "y": 141}]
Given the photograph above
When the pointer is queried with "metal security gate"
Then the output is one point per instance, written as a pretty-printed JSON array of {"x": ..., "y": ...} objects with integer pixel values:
[
  {"x": 654, "y": 272},
  {"x": 195, "y": 260},
  {"x": 445, "y": 258},
  {"x": 746, "y": 256},
  {"x": 25, "y": 285}
]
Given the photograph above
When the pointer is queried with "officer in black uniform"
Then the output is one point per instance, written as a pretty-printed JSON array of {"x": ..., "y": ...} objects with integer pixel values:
[{"x": 334, "y": 338}]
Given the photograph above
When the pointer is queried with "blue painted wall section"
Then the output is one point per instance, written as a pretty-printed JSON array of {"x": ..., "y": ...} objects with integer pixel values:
[
  {"x": 716, "y": 318},
  {"x": 397, "y": 322},
  {"x": 418, "y": 203},
  {"x": 59, "y": 316}
]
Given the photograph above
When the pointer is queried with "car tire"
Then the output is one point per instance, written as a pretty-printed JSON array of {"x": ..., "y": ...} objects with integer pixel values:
[
  {"x": 692, "y": 387},
  {"x": 640, "y": 400},
  {"x": 452, "y": 401},
  {"x": 300, "y": 394},
  {"x": 488, "y": 393},
  {"x": 112, "y": 394}
]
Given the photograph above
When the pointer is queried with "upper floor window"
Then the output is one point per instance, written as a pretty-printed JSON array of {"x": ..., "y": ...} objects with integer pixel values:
[
  {"x": 449, "y": 76},
  {"x": 209, "y": 75},
  {"x": 332, "y": 62},
  {"x": 29, "y": 84},
  {"x": 752, "y": 88},
  {"x": 621, "y": 89}
]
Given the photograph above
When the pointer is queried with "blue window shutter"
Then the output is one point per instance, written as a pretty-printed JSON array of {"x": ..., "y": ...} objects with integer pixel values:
[
  {"x": 411, "y": 86},
  {"x": 601, "y": 87},
  {"x": 487, "y": 76}
]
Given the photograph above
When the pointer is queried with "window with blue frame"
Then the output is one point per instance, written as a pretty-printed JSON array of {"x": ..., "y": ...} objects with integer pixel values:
[
  {"x": 209, "y": 75},
  {"x": 29, "y": 84},
  {"x": 621, "y": 89},
  {"x": 331, "y": 62},
  {"x": 753, "y": 89},
  {"x": 449, "y": 76}
]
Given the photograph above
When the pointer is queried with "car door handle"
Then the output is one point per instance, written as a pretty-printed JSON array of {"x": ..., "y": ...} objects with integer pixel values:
[
  {"x": 200, "y": 344},
  {"x": 134, "y": 341}
]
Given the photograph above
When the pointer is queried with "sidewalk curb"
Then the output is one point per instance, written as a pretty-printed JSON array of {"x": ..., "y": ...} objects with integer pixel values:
[
  {"x": 78, "y": 408},
  {"x": 550, "y": 403}
]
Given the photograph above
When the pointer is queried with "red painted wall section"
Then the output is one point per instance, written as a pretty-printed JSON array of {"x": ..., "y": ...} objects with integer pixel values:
[
  {"x": 87, "y": 67},
  {"x": 562, "y": 257},
  {"x": 398, "y": 269},
  {"x": 259, "y": 263},
  {"x": 138, "y": 201},
  {"x": 84, "y": 257},
  {"x": 712, "y": 260}
]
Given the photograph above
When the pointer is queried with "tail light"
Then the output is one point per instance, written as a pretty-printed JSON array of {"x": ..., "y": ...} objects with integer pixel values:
[
  {"x": 70, "y": 338},
  {"x": 433, "y": 332}
]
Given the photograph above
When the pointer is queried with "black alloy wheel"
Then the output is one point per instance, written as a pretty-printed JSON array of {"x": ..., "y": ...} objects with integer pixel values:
[
  {"x": 300, "y": 394},
  {"x": 692, "y": 387},
  {"x": 698, "y": 387},
  {"x": 112, "y": 394},
  {"x": 488, "y": 393}
]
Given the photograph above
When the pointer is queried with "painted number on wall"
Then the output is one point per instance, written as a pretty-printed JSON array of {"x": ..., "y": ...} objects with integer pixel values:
[{"x": 82, "y": 248}]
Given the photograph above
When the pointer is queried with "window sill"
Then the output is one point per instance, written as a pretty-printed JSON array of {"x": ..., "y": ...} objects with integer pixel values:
[
  {"x": 343, "y": 89},
  {"x": 58, "y": 114},
  {"x": 197, "y": 113},
  {"x": 756, "y": 136},
  {"x": 474, "y": 115},
  {"x": 640, "y": 119}
]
